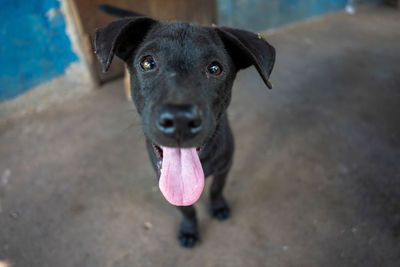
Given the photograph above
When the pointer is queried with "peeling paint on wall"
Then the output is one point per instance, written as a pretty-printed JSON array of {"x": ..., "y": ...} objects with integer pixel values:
[{"x": 34, "y": 46}]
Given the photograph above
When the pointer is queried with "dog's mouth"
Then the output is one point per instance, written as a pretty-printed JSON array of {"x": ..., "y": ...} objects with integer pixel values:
[
  {"x": 159, "y": 153},
  {"x": 181, "y": 174}
]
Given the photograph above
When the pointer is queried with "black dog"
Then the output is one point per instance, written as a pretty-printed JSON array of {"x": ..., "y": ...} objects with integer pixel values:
[{"x": 181, "y": 81}]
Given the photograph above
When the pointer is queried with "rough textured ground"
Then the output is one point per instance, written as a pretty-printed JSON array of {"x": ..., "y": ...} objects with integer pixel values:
[{"x": 316, "y": 179}]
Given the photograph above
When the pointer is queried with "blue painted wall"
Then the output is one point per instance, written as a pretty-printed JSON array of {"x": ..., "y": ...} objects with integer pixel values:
[
  {"x": 259, "y": 15},
  {"x": 34, "y": 46}
]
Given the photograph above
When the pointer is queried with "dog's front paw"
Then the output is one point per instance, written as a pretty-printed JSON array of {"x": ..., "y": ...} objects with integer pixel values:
[
  {"x": 187, "y": 240},
  {"x": 220, "y": 209}
]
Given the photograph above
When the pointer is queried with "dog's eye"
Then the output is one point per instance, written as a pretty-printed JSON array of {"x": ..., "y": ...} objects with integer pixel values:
[
  {"x": 214, "y": 68},
  {"x": 147, "y": 63}
]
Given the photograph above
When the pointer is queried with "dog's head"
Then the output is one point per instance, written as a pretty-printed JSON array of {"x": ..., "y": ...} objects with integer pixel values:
[{"x": 181, "y": 74}]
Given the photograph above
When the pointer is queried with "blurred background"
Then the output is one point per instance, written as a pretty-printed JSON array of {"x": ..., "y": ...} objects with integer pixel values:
[{"x": 316, "y": 178}]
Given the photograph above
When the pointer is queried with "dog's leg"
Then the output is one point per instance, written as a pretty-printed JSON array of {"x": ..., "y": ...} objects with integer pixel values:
[
  {"x": 188, "y": 234},
  {"x": 219, "y": 207}
]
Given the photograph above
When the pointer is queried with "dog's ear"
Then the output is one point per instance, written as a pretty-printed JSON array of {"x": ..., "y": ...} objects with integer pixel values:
[
  {"x": 246, "y": 49},
  {"x": 120, "y": 37}
]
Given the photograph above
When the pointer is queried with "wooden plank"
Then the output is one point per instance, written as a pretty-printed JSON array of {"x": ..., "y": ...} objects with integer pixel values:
[{"x": 203, "y": 12}]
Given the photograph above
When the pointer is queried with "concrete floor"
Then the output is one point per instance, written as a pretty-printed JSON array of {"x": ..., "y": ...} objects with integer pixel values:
[{"x": 316, "y": 179}]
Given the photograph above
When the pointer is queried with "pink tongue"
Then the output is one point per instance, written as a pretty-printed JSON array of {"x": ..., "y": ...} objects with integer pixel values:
[{"x": 182, "y": 177}]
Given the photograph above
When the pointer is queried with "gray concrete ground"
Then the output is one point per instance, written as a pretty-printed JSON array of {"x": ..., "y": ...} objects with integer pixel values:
[{"x": 316, "y": 179}]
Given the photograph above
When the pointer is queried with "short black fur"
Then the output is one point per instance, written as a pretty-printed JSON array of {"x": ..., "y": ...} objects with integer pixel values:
[{"x": 182, "y": 53}]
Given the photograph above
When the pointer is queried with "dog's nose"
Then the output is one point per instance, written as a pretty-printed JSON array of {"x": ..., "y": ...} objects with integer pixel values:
[{"x": 179, "y": 121}]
